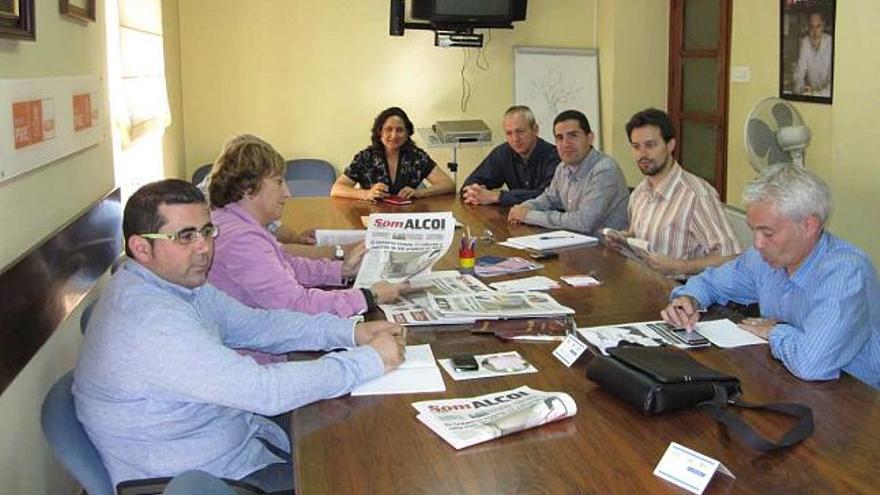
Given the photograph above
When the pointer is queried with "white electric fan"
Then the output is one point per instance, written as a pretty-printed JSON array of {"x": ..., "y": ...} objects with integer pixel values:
[{"x": 775, "y": 134}]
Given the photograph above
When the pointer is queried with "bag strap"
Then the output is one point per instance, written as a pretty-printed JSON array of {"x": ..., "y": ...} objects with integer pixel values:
[{"x": 717, "y": 408}]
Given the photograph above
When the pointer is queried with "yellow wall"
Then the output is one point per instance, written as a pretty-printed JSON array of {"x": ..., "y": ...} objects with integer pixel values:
[
  {"x": 31, "y": 207},
  {"x": 843, "y": 133},
  {"x": 633, "y": 53},
  {"x": 311, "y": 76}
]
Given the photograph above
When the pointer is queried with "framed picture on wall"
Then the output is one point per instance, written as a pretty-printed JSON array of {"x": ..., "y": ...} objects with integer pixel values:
[
  {"x": 17, "y": 19},
  {"x": 806, "y": 58},
  {"x": 83, "y": 10}
]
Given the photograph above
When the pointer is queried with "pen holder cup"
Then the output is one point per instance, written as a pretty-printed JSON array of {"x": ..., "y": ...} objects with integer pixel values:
[{"x": 467, "y": 258}]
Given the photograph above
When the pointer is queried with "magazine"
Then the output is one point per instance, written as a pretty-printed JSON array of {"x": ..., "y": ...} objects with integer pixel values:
[
  {"x": 528, "y": 329},
  {"x": 403, "y": 246},
  {"x": 472, "y": 420},
  {"x": 491, "y": 266}
]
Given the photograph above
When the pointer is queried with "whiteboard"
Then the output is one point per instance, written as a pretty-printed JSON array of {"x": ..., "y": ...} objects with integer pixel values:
[{"x": 551, "y": 80}]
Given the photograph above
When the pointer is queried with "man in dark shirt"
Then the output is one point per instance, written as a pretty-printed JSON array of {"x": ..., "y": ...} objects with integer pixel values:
[{"x": 525, "y": 163}]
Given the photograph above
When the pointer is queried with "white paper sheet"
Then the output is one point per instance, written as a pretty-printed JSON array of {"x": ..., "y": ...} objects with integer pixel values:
[
  {"x": 726, "y": 334},
  {"x": 417, "y": 374},
  {"x": 327, "y": 237}
]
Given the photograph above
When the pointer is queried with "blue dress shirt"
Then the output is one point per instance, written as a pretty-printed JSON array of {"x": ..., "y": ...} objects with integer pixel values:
[
  {"x": 160, "y": 389},
  {"x": 829, "y": 310}
]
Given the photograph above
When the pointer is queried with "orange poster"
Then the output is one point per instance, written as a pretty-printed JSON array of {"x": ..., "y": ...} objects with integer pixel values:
[
  {"x": 27, "y": 121},
  {"x": 33, "y": 122},
  {"x": 82, "y": 112}
]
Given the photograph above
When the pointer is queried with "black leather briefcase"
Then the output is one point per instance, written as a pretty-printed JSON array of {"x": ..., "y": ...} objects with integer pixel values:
[{"x": 663, "y": 379}]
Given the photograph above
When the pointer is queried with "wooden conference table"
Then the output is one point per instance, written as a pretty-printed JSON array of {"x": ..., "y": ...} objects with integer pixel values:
[{"x": 376, "y": 445}]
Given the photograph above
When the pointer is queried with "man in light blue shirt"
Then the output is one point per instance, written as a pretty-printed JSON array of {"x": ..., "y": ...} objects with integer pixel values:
[
  {"x": 587, "y": 192},
  {"x": 818, "y": 294},
  {"x": 159, "y": 386}
]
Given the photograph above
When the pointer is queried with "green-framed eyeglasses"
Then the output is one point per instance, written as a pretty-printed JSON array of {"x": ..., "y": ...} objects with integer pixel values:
[{"x": 187, "y": 236}]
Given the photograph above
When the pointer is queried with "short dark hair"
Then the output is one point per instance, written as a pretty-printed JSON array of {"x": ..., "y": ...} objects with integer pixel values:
[
  {"x": 379, "y": 121},
  {"x": 141, "y": 215},
  {"x": 654, "y": 117},
  {"x": 573, "y": 115}
]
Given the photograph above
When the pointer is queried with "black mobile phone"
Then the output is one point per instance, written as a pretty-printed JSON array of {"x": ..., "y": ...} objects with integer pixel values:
[
  {"x": 690, "y": 338},
  {"x": 543, "y": 256},
  {"x": 465, "y": 362}
]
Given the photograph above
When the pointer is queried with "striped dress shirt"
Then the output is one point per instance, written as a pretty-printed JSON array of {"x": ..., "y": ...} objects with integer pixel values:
[
  {"x": 829, "y": 310},
  {"x": 682, "y": 218}
]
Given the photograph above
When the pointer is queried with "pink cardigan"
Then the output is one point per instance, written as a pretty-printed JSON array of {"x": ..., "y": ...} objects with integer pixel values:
[{"x": 250, "y": 265}]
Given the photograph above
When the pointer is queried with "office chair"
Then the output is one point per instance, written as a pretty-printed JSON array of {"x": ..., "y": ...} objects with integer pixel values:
[
  {"x": 737, "y": 219},
  {"x": 87, "y": 315},
  {"x": 69, "y": 441},
  {"x": 199, "y": 175},
  {"x": 309, "y": 177}
]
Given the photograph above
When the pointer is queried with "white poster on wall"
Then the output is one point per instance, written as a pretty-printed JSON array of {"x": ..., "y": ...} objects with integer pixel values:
[
  {"x": 551, "y": 80},
  {"x": 42, "y": 120}
]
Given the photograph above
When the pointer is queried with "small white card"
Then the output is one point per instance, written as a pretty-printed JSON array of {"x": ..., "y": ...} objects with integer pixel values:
[
  {"x": 688, "y": 468},
  {"x": 580, "y": 280},
  {"x": 570, "y": 350}
]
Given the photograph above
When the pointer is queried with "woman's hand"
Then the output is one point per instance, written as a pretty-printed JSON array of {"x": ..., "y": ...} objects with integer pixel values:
[
  {"x": 407, "y": 193},
  {"x": 378, "y": 191}
]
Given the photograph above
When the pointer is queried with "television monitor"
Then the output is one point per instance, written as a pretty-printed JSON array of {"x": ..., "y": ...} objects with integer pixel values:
[{"x": 469, "y": 13}]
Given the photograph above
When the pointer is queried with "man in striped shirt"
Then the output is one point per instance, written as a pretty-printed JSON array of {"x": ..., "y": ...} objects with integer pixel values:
[
  {"x": 818, "y": 294},
  {"x": 676, "y": 212}
]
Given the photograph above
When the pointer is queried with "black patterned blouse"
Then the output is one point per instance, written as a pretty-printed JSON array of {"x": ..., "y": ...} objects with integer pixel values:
[{"x": 369, "y": 167}]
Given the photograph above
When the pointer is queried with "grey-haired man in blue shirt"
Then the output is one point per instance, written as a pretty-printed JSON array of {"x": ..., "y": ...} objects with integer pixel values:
[
  {"x": 159, "y": 386},
  {"x": 818, "y": 294}
]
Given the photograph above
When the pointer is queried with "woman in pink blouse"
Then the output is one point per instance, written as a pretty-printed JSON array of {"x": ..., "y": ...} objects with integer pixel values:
[{"x": 247, "y": 192}]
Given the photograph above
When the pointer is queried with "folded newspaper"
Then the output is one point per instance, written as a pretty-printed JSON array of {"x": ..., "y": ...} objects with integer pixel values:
[
  {"x": 472, "y": 420},
  {"x": 487, "y": 305},
  {"x": 403, "y": 246},
  {"x": 415, "y": 309}
]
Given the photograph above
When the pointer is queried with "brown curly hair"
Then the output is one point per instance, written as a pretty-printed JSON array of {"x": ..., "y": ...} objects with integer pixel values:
[{"x": 241, "y": 167}]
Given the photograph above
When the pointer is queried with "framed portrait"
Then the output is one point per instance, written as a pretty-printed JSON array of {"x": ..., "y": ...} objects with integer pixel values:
[
  {"x": 17, "y": 19},
  {"x": 806, "y": 50},
  {"x": 83, "y": 10}
]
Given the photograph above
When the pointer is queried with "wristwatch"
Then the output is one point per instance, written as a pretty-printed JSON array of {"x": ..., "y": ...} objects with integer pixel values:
[{"x": 370, "y": 298}]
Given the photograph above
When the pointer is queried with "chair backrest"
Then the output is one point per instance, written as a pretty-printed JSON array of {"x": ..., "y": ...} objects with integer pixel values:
[
  {"x": 199, "y": 175},
  {"x": 309, "y": 177},
  {"x": 737, "y": 219},
  {"x": 69, "y": 441},
  {"x": 86, "y": 315}
]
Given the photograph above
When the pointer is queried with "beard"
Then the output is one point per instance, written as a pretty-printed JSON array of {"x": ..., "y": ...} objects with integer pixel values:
[{"x": 654, "y": 168}]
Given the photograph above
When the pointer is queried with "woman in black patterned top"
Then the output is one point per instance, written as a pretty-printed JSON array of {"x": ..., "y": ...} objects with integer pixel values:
[{"x": 392, "y": 165}]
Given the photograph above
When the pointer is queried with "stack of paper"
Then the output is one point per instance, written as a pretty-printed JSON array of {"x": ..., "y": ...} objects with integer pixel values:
[
  {"x": 549, "y": 241},
  {"x": 538, "y": 282},
  {"x": 418, "y": 373},
  {"x": 490, "y": 266},
  {"x": 415, "y": 309}
]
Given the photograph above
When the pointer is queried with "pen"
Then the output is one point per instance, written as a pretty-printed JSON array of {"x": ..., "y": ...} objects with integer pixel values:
[{"x": 548, "y": 237}]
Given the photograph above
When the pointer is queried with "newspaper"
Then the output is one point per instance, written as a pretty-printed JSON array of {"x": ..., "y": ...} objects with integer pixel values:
[
  {"x": 472, "y": 420},
  {"x": 647, "y": 333},
  {"x": 415, "y": 309},
  {"x": 487, "y": 305},
  {"x": 401, "y": 246}
]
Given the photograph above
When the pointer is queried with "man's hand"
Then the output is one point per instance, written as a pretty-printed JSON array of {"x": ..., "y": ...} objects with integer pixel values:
[
  {"x": 477, "y": 194},
  {"x": 665, "y": 264},
  {"x": 378, "y": 191},
  {"x": 518, "y": 214},
  {"x": 386, "y": 338},
  {"x": 682, "y": 312},
  {"x": 386, "y": 292},
  {"x": 354, "y": 253},
  {"x": 615, "y": 239},
  {"x": 407, "y": 193},
  {"x": 307, "y": 237},
  {"x": 759, "y": 326},
  {"x": 366, "y": 331}
]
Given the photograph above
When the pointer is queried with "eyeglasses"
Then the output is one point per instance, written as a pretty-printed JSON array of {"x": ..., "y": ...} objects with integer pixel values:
[{"x": 187, "y": 236}]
